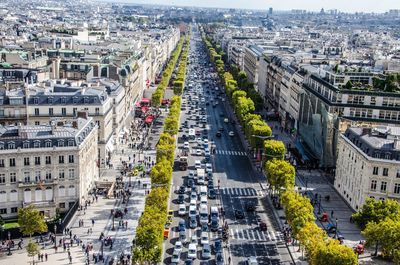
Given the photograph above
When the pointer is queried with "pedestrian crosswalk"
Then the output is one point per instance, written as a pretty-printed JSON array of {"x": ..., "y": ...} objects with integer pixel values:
[
  {"x": 249, "y": 234},
  {"x": 242, "y": 192},
  {"x": 230, "y": 152}
]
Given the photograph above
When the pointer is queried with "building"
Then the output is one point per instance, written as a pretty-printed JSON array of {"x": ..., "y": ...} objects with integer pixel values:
[
  {"x": 252, "y": 56},
  {"x": 51, "y": 166},
  {"x": 368, "y": 164}
]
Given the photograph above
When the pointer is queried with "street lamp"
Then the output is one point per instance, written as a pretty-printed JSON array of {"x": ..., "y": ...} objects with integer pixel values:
[
  {"x": 336, "y": 230},
  {"x": 102, "y": 247},
  {"x": 55, "y": 236},
  {"x": 9, "y": 244}
]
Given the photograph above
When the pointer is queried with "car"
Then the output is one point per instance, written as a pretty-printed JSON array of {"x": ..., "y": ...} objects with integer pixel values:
[
  {"x": 231, "y": 133},
  {"x": 194, "y": 239},
  {"x": 181, "y": 190},
  {"x": 182, "y": 209},
  {"x": 214, "y": 225},
  {"x": 226, "y": 120},
  {"x": 188, "y": 262},
  {"x": 186, "y": 145},
  {"x": 192, "y": 222},
  {"x": 250, "y": 207},
  {"x": 218, "y": 246},
  {"x": 199, "y": 152},
  {"x": 239, "y": 214},
  {"x": 181, "y": 198},
  {"x": 182, "y": 226},
  {"x": 192, "y": 251},
  {"x": 218, "y": 134},
  {"x": 190, "y": 182},
  {"x": 252, "y": 261},
  {"x": 219, "y": 259},
  {"x": 206, "y": 254},
  {"x": 176, "y": 256},
  {"x": 211, "y": 194},
  {"x": 193, "y": 195},
  {"x": 178, "y": 246},
  {"x": 263, "y": 226},
  {"x": 204, "y": 238},
  {"x": 203, "y": 200}
]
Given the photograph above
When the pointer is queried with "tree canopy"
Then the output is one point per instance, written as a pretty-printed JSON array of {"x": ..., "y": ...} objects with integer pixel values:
[{"x": 31, "y": 221}]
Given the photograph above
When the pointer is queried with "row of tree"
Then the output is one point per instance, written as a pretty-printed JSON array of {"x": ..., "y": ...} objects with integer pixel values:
[
  {"x": 319, "y": 247},
  {"x": 180, "y": 76},
  {"x": 149, "y": 233},
  {"x": 158, "y": 95}
]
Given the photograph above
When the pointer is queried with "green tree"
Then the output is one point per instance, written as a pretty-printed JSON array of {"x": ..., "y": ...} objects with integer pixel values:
[
  {"x": 33, "y": 249},
  {"x": 178, "y": 87},
  {"x": 348, "y": 85},
  {"x": 280, "y": 174},
  {"x": 274, "y": 149},
  {"x": 234, "y": 71},
  {"x": 158, "y": 198},
  {"x": 310, "y": 236},
  {"x": 334, "y": 254},
  {"x": 236, "y": 95},
  {"x": 242, "y": 80},
  {"x": 256, "y": 97},
  {"x": 256, "y": 128},
  {"x": 161, "y": 173},
  {"x": 31, "y": 221},
  {"x": 171, "y": 125},
  {"x": 376, "y": 211}
]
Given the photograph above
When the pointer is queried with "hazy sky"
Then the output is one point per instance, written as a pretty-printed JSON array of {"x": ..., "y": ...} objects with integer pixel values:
[{"x": 342, "y": 5}]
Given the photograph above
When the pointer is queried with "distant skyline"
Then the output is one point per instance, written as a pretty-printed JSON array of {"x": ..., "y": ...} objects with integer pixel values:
[{"x": 311, "y": 5}]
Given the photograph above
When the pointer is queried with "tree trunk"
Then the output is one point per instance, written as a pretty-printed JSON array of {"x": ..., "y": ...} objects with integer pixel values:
[{"x": 376, "y": 249}]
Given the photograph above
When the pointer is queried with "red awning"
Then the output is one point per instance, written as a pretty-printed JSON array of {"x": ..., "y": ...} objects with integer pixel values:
[
  {"x": 145, "y": 100},
  {"x": 149, "y": 119},
  {"x": 145, "y": 109}
]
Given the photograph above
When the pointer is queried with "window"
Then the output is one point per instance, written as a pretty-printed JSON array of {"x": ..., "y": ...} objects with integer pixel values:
[
  {"x": 35, "y": 101},
  {"x": 38, "y": 176},
  {"x": 13, "y": 177},
  {"x": 383, "y": 186},
  {"x": 11, "y": 145},
  {"x": 48, "y": 160},
  {"x": 97, "y": 111},
  {"x": 3, "y": 211},
  {"x": 71, "y": 159},
  {"x": 12, "y": 162},
  {"x": 385, "y": 172},
  {"x": 63, "y": 111},
  {"x": 63, "y": 100},
  {"x": 2, "y": 163},
  {"x": 61, "y": 174},
  {"x": 60, "y": 143},
  {"x": 48, "y": 143},
  {"x": 27, "y": 177},
  {"x": 25, "y": 144},
  {"x": 373, "y": 185},
  {"x": 61, "y": 159},
  {"x": 26, "y": 161},
  {"x": 375, "y": 171},
  {"x": 37, "y": 111},
  {"x": 70, "y": 142},
  {"x": 2, "y": 178},
  {"x": 71, "y": 173},
  {"x": 74, "y": 111},
  {"x": 14, "y": 209},
  {"x": 51, "y": 112},
  {"x": 37, "y": 160},
  {"x": 48, "y": 175},
  {"x": 61, "y": 205},
  {"x": 397, "y": 174}
]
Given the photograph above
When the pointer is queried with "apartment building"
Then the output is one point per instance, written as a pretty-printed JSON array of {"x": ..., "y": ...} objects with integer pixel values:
[
  {"x": 252, "y": 56},
  {"x": 368, "y": 164},
  {"x": 51, "y": 166}
]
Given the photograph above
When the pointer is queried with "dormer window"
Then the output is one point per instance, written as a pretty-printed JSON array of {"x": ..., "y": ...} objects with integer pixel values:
[
  {"x": 1, "y": 146},
  {"x": 60, "y": 143},
  {"x": 26, "y": 144},
  {"x": 50, "y": 100},
  {"x": 35, "y": 100},
  {"x": 36, "y": 144},
  {"x": 11, "y": 145},
  {"x": 48, "y": 143},
  {"x": 75, "y": 100},
  {"x": 70, "y": 142},
  {"x": 86, "y": 100},
  {"x": 63, "y": 100}
]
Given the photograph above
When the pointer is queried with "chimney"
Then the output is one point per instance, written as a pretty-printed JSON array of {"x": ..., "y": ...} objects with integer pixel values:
[
  {"x": 396, "y": 143},
  {"x": 75, "y": 124},
  {"x": 366, "y": 131},
  {"x": 82, "y": 114}
]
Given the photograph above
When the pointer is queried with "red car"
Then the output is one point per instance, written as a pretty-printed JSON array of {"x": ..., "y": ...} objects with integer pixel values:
[{"x": 263, "y": 226}]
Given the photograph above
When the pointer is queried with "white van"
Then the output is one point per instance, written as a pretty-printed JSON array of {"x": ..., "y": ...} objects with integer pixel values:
[
  {"x": 203, "y": 191},
  {"x": 203, "y": 214},
  {"x": 192, "y": 211},
  {"x": 214, "y": 213}
]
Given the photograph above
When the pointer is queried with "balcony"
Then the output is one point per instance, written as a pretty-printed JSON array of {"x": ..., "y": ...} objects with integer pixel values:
[{"x": 44, "y": 183}]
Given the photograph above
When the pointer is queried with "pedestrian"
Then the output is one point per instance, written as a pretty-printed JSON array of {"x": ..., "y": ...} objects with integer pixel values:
[
  {"x": 41, "y": 257},
  {"x": 70, "y": 260},
  {"x": 92, "y": 222},
  {"x": 332, "y": 213},
  {"x": 45, "y": 256}
]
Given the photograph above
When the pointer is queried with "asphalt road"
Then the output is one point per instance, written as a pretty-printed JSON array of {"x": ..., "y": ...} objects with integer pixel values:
[{"x": 238, "y": 182}]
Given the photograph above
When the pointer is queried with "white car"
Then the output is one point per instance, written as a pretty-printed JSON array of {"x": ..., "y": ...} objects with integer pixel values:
[
  {"x": 206, "y": 254},
  {"x": 252, "y": 261},
  {"x": 199, "y": 152},
  {"x": 178, "y": 246},
  {"x": 203, "y": 201},
  {"x": 192, "y": 251},
  {"x": 204, "y": 238},
  {"x": 182, "y": 209},
  {"x": 194, "y": 239},
  {"x": 231, "y": 133},
  {"x": 186, "y": 145},
  {"x": 197, "y": 164}
]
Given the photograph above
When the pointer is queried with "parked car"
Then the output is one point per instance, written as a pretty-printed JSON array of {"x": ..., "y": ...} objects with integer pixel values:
[
  {"x": 206, "y": 254},
  {"x": 192, "y": 251}
]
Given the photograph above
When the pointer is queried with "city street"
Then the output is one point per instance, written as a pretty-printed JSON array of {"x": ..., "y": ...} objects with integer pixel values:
[{"x": 235, "y": 176}]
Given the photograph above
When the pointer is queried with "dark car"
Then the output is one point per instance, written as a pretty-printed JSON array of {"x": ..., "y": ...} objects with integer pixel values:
[
  {"x": 182, "y": 226},
  {"x": 239, "y": 214},
  {"x": 211, "y": 194},
  {"x": 190, "y": 183},
  {"x": 218, "y": 246},
  {"x": 181, "y": 198},
  {"x": 250, "y": 207},
  {"x": 214, "y": 225},
  {"x": 181, "y": 190},
  {"x": 218, "y": 134}
]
